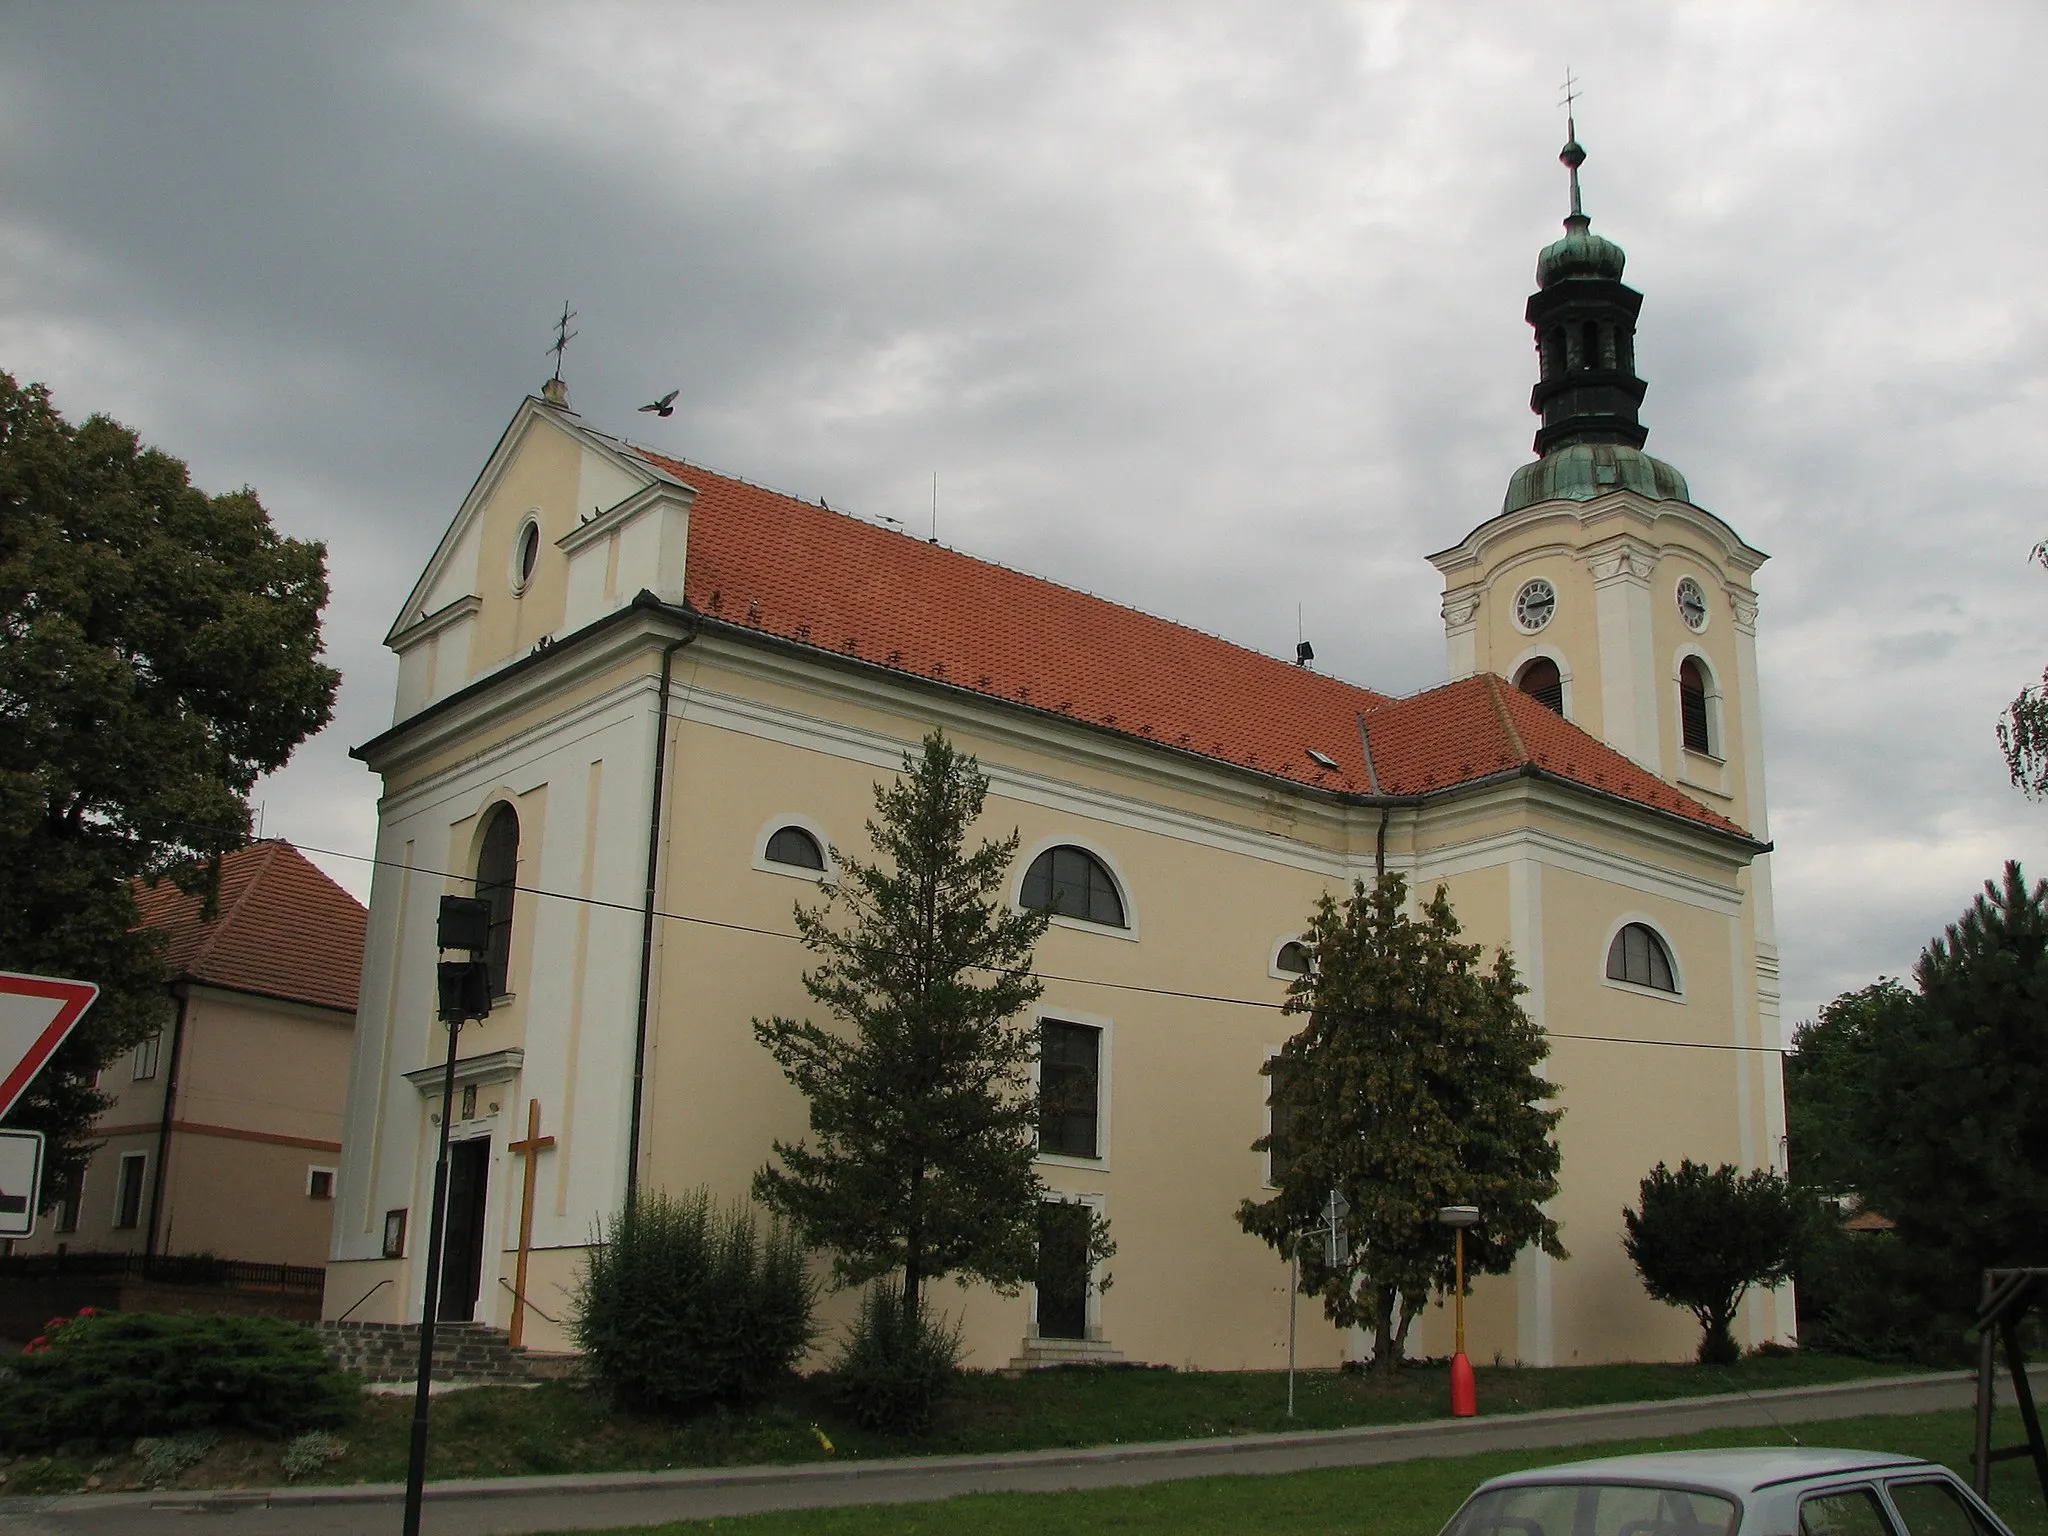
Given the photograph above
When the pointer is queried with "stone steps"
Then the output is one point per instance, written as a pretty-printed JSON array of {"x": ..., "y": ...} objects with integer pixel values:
[
  {"x": 1039, "y": 1354},
  {"x": 468, "y": 1353}
]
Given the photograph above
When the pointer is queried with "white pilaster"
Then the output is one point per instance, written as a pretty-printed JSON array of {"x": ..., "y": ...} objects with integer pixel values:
[
  {"x": 1461, "y": 630},
  {"x": 1535, "y": 1277},
  {"x": 1628, "y": 670}
]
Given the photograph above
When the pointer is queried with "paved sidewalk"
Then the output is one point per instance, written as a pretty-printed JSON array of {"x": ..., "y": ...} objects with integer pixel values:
[{"x": 517, "y": 1506}]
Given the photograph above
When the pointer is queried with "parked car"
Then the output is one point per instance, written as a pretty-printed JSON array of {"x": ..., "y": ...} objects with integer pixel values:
[{"x": 1791, "y": 1491}]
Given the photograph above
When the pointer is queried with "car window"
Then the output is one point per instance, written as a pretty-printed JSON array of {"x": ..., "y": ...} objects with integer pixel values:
[
  {"x": 1595, "y": 1509},
  {"x": 1932, "y": 1507},
  {"x": 1851, "y": 1512}
]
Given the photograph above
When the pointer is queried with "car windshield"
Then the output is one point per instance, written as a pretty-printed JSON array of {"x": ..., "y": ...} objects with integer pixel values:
[{"x": 1594, "y": 1509}]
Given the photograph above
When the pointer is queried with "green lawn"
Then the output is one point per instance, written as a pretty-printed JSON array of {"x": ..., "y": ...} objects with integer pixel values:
[
  {"x": 499, "y": 1431},
  {"x": 1410, "y": 1498}
]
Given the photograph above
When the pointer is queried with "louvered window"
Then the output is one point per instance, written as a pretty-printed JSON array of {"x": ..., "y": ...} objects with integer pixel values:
[
  {"x": 1637, "y": 955},
  {"x": 1541, "y": 680},
  {"x": 1692, "y": 706}
]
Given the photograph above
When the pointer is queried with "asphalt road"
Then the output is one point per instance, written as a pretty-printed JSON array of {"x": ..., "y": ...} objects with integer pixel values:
[{"x": 603, "y": 1501}]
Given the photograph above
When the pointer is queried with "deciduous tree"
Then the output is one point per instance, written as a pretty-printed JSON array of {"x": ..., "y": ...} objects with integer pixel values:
[
  {"x": 1414, "y": 1085},
  {"x": 2023, "y": 728},
  {"x": 159, "y": 652}
]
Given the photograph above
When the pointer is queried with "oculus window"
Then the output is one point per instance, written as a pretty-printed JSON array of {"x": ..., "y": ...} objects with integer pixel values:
[
  {"x": 497, "y": 874},
  {"x": 1069, "y": 1089},
  {"x": 525, "y": 555},
  {"x": 795, "y": 847},
  {"x": 1639, "y": 957},
  {"x": 1541, "y": 680},
  {"x": 1071, "y": 882}
]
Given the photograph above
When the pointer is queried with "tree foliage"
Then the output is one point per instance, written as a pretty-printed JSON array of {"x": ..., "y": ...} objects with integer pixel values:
[
  {"x": 2023, "y": 728},
  {"x": 1827, "y": 1078},
  {"x": 158, "y": 654},
  {"x": 1702, "y": 1236},
  {"x": 923, "y": 1113},
  {"x": 1414, "y": 1085}
]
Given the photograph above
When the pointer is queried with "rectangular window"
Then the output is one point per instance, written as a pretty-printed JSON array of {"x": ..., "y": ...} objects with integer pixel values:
[
  {"x": 394, "y": 1234},
  {"x": 320, "y": 1183},
  {"x": 1278, "y": 1112},
  {"x": 145, "y": 1057},
  {"x": 66, "y": 1213},
  {"x": 128, "y": 1192},
  {"x": 1069, "y": 1088}
]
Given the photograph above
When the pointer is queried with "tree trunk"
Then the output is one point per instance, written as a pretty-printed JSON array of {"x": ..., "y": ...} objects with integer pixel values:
[
  {"x": 913, "y": 1251},
  {"x": 1386, "y": 1344}
]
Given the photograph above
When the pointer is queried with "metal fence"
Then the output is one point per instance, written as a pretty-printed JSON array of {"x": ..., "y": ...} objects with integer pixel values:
[{"x": 165, "y": 1269}]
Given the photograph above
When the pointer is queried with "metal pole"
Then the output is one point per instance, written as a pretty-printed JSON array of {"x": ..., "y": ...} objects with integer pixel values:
[
  {"x": 1461, "y": 1290},
  {"x": 416, "y": 1466},
  {"x": 1293, "y": 1290}
]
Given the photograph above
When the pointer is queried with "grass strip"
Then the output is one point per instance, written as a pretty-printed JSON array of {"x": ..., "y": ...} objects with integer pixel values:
[{"x": 1412, "y": 1498}]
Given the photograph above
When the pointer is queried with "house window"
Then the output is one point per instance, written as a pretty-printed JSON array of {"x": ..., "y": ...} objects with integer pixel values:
[
  {"x": 1692, "y": 706},
  {"x": 1639, "y": 957},
  {"x": 497, "y": 873},
  {"x": 1071, "y": 882},
  {"x": 128, "y": 1191},
  {"x": 795, "y": 846},
  {"x": 394, "y": 1234},
  {"x": 1541, "y": 680},
  {"x": 146, "y": 1057},
  {"x": 67, "y": 1204},
  {"x": 1278, "y": 1112},
  {"x": 1069, "y": 1089},
  {"x": 320, "y": 1183},
  {"x": 1293, "y": 958}
]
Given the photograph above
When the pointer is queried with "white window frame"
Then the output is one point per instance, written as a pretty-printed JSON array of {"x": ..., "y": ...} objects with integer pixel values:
[
  {"x": 1266, "y": 1119},
  {"x": 1273, "y": 968},
  {"x": 1104, "y": 1056},
  {"x": 149, "y": 1055},
  {"x": 518, "y": 582},
  {"x": 333, "y": 1181},
  {"x": 1717, "y": 740},
  {"x": 1094, "y": 850},
  {"x": 829, "y": 875},
  {"x": 1098, "y": 1204},
  {"x": 1549, "y": 652},
  {"x": 141, "y": 1159},
  {"x": 1670, "y": 953}
]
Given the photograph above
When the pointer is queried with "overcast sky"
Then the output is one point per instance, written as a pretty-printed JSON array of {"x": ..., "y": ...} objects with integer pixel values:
[{"x": 1215, "y": 309}]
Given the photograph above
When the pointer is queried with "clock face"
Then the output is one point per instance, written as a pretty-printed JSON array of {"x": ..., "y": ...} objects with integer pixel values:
[
  {"x": 1692, "y": 604},
  {"x": 1534, "y": 604}
]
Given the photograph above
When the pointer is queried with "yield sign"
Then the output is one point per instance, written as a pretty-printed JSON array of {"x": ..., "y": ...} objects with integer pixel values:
[{"x": 36, "y": 1013}]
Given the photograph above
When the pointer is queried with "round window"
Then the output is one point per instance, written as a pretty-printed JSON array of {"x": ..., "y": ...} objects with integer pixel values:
[
  {"x": 525, "y": 552},
  {"x": 1692, "y": 604},
  {"x": 1534, "y": 604}
]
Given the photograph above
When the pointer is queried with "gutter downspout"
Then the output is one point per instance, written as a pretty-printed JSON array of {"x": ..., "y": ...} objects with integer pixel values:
[
  {"x": 182, "y": 992},
  {"x": 647, "y": 915}
]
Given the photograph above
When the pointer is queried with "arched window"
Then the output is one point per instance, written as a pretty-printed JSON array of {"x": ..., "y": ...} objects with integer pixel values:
[
  {"x": 1071, "y": 882},
  {"x": 1553, "y": 353},
  {"x": 497, "y": 872},
  {"x": 1293, "y": 958},
  {"x": 1592, "y": 345},
  {"x": 1637, "y": 955},
  {"x": 1541, "y": 680},
  {"x": 795, "y": 846},
  {"x": 1692, "y": 705}
]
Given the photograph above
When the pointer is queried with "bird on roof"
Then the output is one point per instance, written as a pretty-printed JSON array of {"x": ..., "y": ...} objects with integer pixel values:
[{"x": 665, "y": 406}]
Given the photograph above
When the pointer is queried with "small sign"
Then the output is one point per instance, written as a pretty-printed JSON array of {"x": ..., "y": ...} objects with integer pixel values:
[
  {"x": 36, "y": 1013},
  {"x": 21, "y": 1182},
  {"x": 1336, "y": 1236}
]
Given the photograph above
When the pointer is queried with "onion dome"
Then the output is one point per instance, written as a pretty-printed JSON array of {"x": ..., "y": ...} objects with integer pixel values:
[{"x": 1586, "y": 471}]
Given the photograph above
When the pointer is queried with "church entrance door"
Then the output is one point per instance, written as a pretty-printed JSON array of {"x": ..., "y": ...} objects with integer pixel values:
[
  {"x": 1062, "y": 1270},
  {"x": 462, "y": 1250}
]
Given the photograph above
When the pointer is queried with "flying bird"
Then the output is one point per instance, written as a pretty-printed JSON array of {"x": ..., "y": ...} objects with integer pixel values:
[{"x": 665, "y": 406}]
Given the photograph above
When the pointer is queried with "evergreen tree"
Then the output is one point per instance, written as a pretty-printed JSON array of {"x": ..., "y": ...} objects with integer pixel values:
[
  {"x": 1414, "y": 1085},
  {"x": 159, "y": 652},
  {"x": 923, "y": 1114},
  {"x": 1703, "y": 1236},
  {"x": 1951, "y": 1128}
]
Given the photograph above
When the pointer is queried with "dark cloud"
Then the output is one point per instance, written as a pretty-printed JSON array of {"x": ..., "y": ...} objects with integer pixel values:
[{"x": 1214, "y": 309}]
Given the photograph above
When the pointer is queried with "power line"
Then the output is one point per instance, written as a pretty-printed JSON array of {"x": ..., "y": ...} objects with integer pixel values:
[{"x": 1079, "y": 981}]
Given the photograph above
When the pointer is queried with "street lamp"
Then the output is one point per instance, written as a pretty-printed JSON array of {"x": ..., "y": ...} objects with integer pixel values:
[{"x": 1464, "y": 1391}]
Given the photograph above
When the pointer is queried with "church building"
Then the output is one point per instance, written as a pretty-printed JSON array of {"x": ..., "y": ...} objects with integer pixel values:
[{"x": 642, "y": 704}]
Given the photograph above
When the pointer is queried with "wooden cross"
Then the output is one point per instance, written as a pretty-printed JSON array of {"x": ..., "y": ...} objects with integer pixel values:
[{"x": 531, "y": 1149}]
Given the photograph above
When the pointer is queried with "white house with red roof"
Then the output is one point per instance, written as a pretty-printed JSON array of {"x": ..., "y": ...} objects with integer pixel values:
[
  {"x": 640, "y": 703},
  {"x": 224, "y": 1134}
]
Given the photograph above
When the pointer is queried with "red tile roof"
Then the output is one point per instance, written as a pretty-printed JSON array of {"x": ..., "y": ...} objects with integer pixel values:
[
  {"x": 283, "y": 929},
  {"x": 765, "y": 561}
]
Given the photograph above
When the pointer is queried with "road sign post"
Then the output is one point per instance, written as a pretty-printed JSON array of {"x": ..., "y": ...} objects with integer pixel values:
[{"x": 21, "y": 1182}]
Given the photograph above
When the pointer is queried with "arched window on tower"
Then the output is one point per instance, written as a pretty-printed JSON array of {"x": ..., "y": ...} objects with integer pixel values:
[
  {"x": 1540, "y": 679},
  {"x": 497, "y": 873},
  {"x": 1692, "y": 706},
  {"x": 1591, "y": 345}
]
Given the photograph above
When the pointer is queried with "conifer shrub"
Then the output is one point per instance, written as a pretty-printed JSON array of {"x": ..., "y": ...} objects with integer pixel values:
[
  {"x": 897, "y": 1364},
  {"x": 118, "y": 1375},
  {"x": 684, "y": 1303}
]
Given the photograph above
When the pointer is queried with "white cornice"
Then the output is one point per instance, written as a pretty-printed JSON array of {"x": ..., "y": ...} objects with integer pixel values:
[
  {"x": 491, "y": 1067},
  {"x": 1579, "y": 516},
  {"x": 607, "y": 521},
  {"x": 402, "y": 640}
]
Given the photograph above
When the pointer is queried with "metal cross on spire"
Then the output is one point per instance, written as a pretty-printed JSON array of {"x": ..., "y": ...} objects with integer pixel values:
[
  {"x": 563, "y": 336},
  {"x": 1573, "y": 155}
]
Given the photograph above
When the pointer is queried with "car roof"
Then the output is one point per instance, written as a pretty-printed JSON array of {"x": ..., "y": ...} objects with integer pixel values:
[{"x": 1736, "y": 1471}]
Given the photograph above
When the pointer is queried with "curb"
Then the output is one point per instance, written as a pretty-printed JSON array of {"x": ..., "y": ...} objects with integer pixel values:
[{"x": 1449, "y": 1437}]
